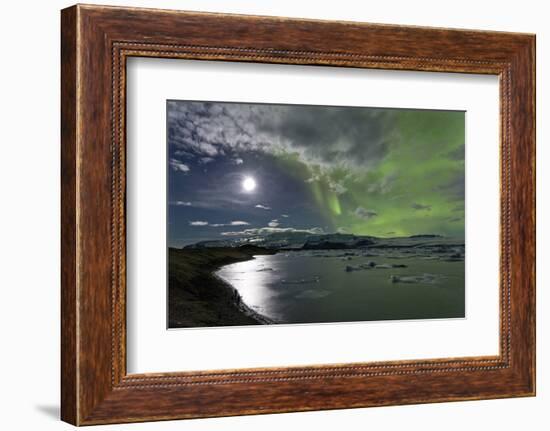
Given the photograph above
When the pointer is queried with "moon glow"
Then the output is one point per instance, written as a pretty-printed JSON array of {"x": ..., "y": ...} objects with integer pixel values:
[{"x": 249, "y": 184}]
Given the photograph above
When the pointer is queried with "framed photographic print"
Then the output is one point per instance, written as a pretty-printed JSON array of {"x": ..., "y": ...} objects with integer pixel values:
[
  {"x": 312, "y": 211},
  {"x": 268, "y": 215}
]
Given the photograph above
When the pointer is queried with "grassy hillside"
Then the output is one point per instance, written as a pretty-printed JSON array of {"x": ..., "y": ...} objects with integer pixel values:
[{"x": 198, "y": 298}]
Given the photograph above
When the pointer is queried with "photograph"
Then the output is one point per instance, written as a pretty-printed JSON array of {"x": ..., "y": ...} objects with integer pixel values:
[{"x": 302, "y": 214}]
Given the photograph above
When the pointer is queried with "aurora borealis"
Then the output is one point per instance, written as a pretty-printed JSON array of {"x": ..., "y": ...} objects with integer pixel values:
[{"x": 368, "y": 171}]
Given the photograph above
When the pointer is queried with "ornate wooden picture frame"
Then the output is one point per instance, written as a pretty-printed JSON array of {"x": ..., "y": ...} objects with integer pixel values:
[{"x": 96, "y": 41}]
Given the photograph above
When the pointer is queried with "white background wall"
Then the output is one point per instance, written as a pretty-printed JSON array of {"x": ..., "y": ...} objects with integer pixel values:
[{"x": 29, "y": 215}]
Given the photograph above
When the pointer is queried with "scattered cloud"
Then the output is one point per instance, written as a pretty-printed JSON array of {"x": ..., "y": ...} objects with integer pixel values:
[
  {"x": 239, "y": 223},
  {"x": 208, "y": 148},
  {"x": 421, "y": 207},
  {"x": 313, "y": 178},
  {"x": 232, "y": 223},
  {"x": 184, "y": 154},
  {"x": 336, "y": 187},
  {"x": 285, "y": 215},
  {"x": 273, "y": 223},
  {"x": 269, "y": 230},
  {"x": 320, "y": 136},
  {"x": 238, "y": 161},
  {"x": 364, "y": 213},
  {"x": 181, "y": 203},
  {"x": 205, "y": 160},
  {"x": 262, "y": 207},
  {"x": 235, "y": 233},
  {"x": 178, "y": 166},
  {"x": 198, "y": 223}
]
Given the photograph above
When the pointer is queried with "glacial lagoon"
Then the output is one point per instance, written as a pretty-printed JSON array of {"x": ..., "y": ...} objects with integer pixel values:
[{"x": 322, "y": 286}]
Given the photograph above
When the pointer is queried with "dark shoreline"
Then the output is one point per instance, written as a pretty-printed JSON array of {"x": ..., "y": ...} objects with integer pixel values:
[{"x": 198, "y": 297}]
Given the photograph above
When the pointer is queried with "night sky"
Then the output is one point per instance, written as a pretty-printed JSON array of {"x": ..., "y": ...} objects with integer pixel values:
[{"x": 237, "y": 169}]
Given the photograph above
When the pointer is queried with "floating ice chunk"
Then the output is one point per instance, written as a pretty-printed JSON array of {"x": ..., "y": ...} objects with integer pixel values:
[
  {"x": 423, "y": 278},
  {"x": 302, "y": 281}
]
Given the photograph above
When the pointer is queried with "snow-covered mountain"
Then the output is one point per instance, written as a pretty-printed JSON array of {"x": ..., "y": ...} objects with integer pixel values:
[{"x": 308, "y": 241}]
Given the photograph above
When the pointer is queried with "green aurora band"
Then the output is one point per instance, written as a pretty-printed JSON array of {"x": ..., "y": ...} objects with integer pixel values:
[{"x": 417, "y": 187}]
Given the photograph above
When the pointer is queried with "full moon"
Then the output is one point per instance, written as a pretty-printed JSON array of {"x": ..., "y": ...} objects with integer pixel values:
[{"x": 249, "y": 184}]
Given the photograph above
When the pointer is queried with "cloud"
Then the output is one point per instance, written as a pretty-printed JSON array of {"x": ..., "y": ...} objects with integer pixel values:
[
  {"x": 208, "y": 149},
  {"x": 421, "y": 207},
  {"x": 178, "y": 166},
  {"x": 198, "y": 223},
  {"x": 321, "y": 136},
  {"x": 330, "y": 135},
  {"x": 313, "y": 178},
  {"x": 235, "y": 233},
  {"x": 273, "y": 223},
  {"x": 232, "y": 223},
  {"x": 364, "y": 213},
  {"x": 336, "y": 187},
  {"x": 238, "y": 161},
  {"x": 205, "y": 160},
  {"x": 285, "y": 215},
  {"x": 269, "y": 230},
  {"x": 181, "y": 203},
  {"x": 184, "y": 153},
  {"x": 262, "y": 207},
  {"x": 239, "y": 223}
]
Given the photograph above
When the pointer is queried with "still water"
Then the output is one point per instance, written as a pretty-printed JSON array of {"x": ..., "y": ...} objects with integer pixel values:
[{"x": 332, "y": 286}]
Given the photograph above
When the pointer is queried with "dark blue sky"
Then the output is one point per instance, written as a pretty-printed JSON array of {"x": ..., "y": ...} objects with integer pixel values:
[{"x": 213, "y": 193}]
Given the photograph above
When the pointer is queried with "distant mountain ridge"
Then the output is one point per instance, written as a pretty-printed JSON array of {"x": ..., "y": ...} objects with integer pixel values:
[{"x": 308, "y": 241}]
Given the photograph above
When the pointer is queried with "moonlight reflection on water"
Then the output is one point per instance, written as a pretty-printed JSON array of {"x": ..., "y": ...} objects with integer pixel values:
[{"x": 298, "y": 287}]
